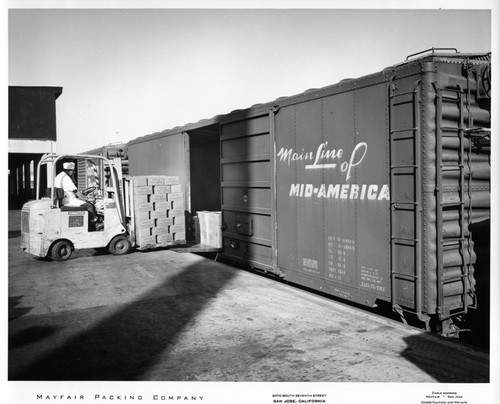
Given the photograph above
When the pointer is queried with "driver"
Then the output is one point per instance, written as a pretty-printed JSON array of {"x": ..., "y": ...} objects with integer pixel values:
[{"x": 73, "y": 197}]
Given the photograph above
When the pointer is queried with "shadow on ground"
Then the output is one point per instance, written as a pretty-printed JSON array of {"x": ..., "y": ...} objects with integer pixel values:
[
  {"x": 31, "y": 335},
  {"x": 426, "y": 356},
  {"x": 16, "y": 312},
  {"x": 125, "y": 345}
]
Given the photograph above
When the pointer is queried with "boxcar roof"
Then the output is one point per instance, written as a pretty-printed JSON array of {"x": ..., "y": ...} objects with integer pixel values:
[{"x": 342, "y": 86}]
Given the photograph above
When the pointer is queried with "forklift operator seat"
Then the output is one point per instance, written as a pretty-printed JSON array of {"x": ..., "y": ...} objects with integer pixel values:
[{"x": 58, "y": 200}]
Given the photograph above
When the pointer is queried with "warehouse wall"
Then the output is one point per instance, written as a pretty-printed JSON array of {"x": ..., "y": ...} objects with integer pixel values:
[
  {"x": 32, "y": 133},
  {"x": 32, "y": 112}
]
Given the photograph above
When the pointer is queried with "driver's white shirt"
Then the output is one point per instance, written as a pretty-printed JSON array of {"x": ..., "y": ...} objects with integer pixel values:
[{"x": 65, "y": 182}]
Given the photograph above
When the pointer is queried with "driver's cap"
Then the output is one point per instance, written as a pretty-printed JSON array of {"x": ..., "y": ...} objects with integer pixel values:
[{"x": 69, "y": 166}]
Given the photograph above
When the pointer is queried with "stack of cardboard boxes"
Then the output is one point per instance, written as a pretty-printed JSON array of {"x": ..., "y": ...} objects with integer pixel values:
[{"x": 159, "y": 211}]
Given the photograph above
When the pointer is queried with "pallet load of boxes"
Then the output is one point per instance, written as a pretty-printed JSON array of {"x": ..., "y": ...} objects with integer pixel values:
[{"x": 158, "y": 206}]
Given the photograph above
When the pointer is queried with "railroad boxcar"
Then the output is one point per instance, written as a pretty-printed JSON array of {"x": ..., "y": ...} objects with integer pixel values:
[{"x": 372, "y": 189}]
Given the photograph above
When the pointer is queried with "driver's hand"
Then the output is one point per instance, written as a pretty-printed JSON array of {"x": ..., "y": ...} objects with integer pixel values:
[{"x": 79, "y": 195}]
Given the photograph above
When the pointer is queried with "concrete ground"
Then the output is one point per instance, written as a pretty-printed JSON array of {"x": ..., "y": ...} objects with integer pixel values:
[{"x": 170, "y": 316}]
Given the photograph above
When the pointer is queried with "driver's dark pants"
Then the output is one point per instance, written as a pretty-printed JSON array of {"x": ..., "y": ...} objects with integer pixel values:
[{"x": 91, "y": 210}]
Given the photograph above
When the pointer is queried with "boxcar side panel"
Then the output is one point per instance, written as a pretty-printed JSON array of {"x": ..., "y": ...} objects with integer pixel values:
[
  {"x": 161, "y": 156},
  {"x": 372, "y": 215},
  {"x": 333, "y": 194}
]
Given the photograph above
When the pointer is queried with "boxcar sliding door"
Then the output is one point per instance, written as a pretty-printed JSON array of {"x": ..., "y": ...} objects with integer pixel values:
[{"x": 246, "y": 182}]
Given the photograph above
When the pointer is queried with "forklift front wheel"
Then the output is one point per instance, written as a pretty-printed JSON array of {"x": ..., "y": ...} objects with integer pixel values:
[
  {"x": 61, "y": 251},
  {"x": 120, "y": 245}
]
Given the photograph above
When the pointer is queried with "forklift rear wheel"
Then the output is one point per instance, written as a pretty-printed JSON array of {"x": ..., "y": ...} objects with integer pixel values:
[
  {"x": 120, "y": 245},
  {"x": 61, "y": 251}
]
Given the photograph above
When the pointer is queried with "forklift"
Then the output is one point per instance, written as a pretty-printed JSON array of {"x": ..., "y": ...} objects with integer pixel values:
[{"x": 50, "y": 229}]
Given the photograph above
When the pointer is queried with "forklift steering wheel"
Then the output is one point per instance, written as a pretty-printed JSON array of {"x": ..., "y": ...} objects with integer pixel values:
[{"x": 88, "y": 190}]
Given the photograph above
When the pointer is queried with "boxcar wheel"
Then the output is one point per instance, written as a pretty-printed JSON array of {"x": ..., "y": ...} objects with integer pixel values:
[
  {"x": 120, "y": 245},
  {"x": 61, "y": 251}
]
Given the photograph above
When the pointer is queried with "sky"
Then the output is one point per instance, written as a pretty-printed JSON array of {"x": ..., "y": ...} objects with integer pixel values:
[{"x": 127, "y": 73}]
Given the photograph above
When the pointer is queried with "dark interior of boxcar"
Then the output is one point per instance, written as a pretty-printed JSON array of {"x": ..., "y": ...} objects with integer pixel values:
[{"x": 204, "y": 166}]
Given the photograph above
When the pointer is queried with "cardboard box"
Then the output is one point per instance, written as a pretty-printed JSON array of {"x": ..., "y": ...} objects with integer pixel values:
[
  {"x": 164, "y": 222},
  {"x": 162, "y": 189},
  {"x": 145, "y": 223},
  {"x": 164, "y": 238},
  {"x": 161, "y": 230},
  {"x": 139, "y": 181},
  {"x": 143, "y": 215},
  {"x": 180, "y": 238},
  {"x": 170, "y": 180},
  {"x": 210, "y": 228},
  {"x": 144, "y": 241},
  {"x": 147, "y": 190},
  {"x": 178, "y": 219},
  {"x": 158, "y": 198},
  {"x": 159, "y": 214},
  {"x": 161, "y": 205},
  {"x": 143, "y": 207},
  {"x": 177, "y": 228},
  {"x": 176, "y": 213},
  {"x": 175, "y": 196},
  {"x": 176, "y": 188},
  {"x": 144, "y": 198},
  {"x": 156, "y": 180},
  {"x": 144, "y": 231},
  {"x": 177, "y": 205}
]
